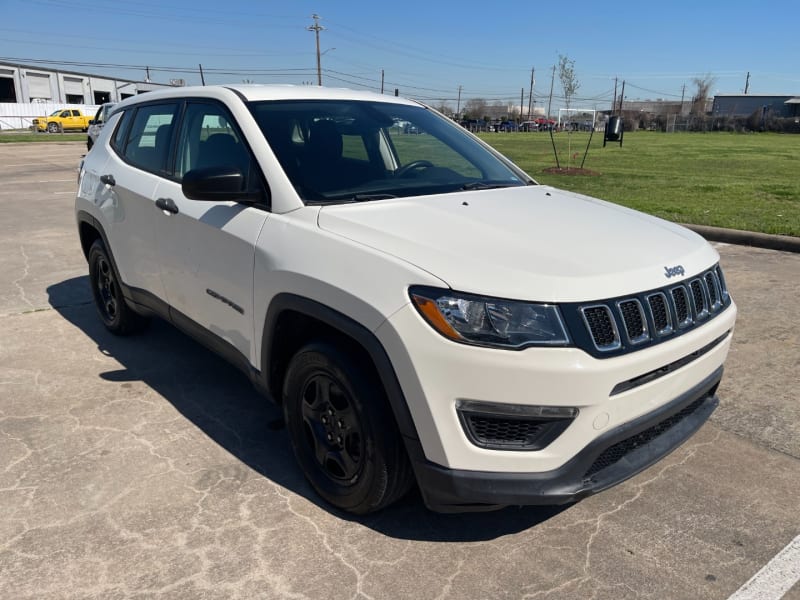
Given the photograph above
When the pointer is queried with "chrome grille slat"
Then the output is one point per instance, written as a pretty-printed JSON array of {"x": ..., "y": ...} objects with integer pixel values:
[
  {"x": 680, "y": 300},
  {"x": 602, "y": 327},
  {"x": 714, "y": 291},
  {"x": 633, "y": 320},
  {"x": 660, "y": 313},
  {"x": 699, "y": 301}
]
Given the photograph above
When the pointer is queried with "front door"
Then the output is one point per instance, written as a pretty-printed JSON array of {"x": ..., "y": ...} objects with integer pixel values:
[{"x": 207, "y": 249}]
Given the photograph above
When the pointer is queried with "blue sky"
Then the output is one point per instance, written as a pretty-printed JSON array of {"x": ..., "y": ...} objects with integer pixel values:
[{"x": 426, "y": 49}]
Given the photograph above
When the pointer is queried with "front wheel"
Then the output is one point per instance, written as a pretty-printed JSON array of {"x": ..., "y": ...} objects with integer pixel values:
[
  {"x": 115, "y": 313},
  {"x": 53, "y": 127},
  {"x": 342, "y": 430}
]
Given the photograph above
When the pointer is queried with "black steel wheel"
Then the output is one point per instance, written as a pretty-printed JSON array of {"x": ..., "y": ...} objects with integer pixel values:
[
  {"x": 115, "y": 313},
  {"x": 342, "y": 430}
]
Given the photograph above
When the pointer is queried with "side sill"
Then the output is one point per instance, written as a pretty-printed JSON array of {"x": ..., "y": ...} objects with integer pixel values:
[{"x": 144, "y": 301}]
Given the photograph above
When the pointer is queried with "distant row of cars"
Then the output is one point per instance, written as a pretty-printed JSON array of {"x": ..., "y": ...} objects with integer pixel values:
[
  {"x": 65, "y": 119},
  {"x": 540, "y": 124}
]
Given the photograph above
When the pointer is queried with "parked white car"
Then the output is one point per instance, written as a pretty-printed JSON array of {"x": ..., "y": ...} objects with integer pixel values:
[
  {"x": 96, "y": 124},
  {"x": 419, "y": 306}
]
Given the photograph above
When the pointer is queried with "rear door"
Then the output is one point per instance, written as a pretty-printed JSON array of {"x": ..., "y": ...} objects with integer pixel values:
[
  {"x": 141, "y": 144},
  {"x": 206, "y": 249}
]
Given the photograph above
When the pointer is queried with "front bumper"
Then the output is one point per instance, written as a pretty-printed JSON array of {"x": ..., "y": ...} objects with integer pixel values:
[{"x": 608, "y": 460}]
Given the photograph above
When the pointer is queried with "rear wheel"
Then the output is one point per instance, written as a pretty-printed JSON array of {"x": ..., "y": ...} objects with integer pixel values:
[
  {"x": 115, "y": 313},
  {"x": 342, "y": 430}
]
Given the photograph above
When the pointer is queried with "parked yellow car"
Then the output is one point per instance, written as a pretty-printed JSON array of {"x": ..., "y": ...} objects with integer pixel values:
[{"x": 61, "y": 120}]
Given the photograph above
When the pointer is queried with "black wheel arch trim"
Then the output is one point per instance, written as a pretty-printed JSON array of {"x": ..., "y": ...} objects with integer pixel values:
[
  {"x": 85, "y": 217},
  {"x": 350, "y": 328}
]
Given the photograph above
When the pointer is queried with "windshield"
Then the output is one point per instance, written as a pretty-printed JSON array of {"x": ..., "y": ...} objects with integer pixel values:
[
  {"x": 347, "y": 151},
  {"x": 55, "y": 113}
]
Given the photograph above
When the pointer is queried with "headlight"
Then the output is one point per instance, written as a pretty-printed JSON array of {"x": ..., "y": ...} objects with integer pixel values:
[{"x": 490, "y": 321}]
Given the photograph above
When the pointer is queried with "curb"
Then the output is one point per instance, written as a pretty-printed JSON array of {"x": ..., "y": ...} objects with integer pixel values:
[{"x": 784, "y": 243}]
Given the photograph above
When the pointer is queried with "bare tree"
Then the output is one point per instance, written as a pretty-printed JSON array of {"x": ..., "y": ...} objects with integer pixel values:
[
  {"x": 703, "y": 87},
  {"x": 569, "y": 85},
  {"x": 566, "y": 74},
  {"x": 475, "y": 108},
  {"x": 444, "y": 107}
]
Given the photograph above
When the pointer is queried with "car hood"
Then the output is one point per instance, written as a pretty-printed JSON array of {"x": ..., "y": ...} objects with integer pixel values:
[{"x": 529, "y": 243}]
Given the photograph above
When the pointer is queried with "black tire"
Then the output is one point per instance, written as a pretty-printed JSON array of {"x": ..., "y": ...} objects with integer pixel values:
[
  {"x": 53, "y": 127},
  {"x": 89, "y": 143},
  {"x": 342, "y": 430},
  {"x": 111, "y": 307}
]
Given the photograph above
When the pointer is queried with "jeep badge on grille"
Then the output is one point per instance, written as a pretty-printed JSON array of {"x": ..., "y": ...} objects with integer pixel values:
[{"x": 672, "y": 271}]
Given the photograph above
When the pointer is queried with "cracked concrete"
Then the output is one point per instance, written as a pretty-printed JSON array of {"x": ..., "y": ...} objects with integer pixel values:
[{"x": 148, "y": 468}]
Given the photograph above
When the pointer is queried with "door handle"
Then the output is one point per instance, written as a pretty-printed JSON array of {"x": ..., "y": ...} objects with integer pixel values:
[
  {"x": 167, "y": 205},
  {"x": 108, "y": 180}
]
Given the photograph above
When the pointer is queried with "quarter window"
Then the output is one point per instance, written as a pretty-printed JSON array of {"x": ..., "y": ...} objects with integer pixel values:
[
  {"x": 149, "y": 137},
  {"x": 118, "y": 141}
]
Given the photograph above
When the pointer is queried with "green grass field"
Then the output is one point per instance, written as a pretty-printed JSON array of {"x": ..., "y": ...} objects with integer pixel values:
[
  {"x": 739, "y": 181},
  {"x": 30, "y": 136}
]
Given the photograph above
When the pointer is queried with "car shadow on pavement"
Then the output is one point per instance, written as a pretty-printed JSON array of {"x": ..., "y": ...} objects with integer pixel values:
[{"x": 222, "y": 403}]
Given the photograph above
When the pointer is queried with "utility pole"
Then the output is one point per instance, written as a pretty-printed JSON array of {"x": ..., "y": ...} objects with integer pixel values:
[
  {"x": 521, "y": 102},
  {"x": 458, "y": 106},
  {"x": 382, "y": 74},
  {"x": 550, "y": 101},
  {"x": 530, "y": 95},
  {"x": 621, "y": 97},
  {"x": 202, "y": 79},
  {"x": 316, "y": 28},
  {"x": 147, "y": 76},
  {"x": 614, "y": 103},
  {"x": 683, "y": 93},
  {"x": 747, "y": 83}
]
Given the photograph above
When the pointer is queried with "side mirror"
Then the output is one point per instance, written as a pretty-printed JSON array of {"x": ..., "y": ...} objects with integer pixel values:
[{"x": 217, "y": 184}]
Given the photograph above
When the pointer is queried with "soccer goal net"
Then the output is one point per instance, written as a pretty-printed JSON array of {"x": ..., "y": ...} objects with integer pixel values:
[{"x": 577, "y": 119}]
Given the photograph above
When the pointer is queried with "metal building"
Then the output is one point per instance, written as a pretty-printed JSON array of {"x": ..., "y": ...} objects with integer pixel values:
[
  {"x": 24, "y": 84},
  {"x": 744, "y": 105}
]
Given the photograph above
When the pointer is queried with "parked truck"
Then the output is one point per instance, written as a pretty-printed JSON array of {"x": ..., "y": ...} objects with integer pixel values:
[{"x": 61, "y": 120}]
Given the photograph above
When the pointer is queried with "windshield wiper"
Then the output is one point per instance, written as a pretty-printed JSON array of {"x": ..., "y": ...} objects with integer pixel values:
[
  {"x": 483, "y": 185},
  {"x": 368, "y": 197},
  {"x": 345, "y": 198}
]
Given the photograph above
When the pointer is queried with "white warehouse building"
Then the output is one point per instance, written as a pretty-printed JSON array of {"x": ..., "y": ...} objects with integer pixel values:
[{"x": 28, "y": 91}]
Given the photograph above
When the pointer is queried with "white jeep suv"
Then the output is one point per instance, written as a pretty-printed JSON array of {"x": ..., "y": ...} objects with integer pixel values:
[{"x": 419, "y": 306}]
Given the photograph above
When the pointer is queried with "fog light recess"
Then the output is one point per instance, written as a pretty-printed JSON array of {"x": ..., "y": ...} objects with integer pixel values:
[{"x": 511, "y": 426}]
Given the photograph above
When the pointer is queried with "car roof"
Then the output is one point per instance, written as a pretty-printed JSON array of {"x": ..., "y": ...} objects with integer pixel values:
[{"x": 255, "y": 92}]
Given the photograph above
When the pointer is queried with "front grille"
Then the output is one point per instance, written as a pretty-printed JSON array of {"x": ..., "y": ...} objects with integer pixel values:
[
  {"x": 617, "y": 325},
  {"x": 613, "y": 454}
]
